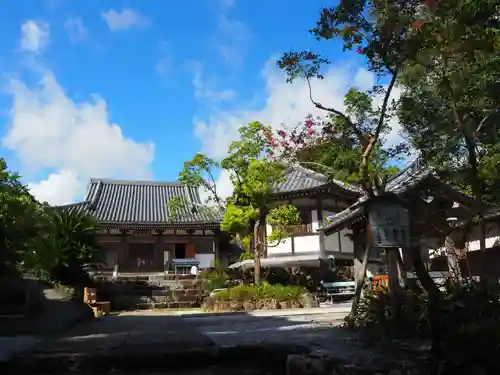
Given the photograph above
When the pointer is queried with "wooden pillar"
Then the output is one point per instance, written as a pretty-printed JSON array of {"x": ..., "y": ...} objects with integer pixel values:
[
  {"x": 322, "y": 242},
  {"x": 123, "y": 261},
  {"x": 158, "y": 249},
  {"x": 393, "y": 270}
]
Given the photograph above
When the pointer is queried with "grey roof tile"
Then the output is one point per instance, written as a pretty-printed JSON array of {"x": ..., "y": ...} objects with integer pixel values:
[
  {"x": 298, "y": 178},
  {"x": 408, "y": 177},
  {"x": 398, "y": 184},
  {"x": 143, "y": 202}
]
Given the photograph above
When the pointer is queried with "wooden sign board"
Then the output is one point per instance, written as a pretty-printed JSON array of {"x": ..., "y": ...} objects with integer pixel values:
[{"x": 389, "y": 225}]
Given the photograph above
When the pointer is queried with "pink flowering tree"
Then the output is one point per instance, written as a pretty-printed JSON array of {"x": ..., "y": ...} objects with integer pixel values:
[{"x": 388, "y": 35}]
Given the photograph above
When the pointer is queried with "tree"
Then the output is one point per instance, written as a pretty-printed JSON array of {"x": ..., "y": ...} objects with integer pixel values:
[
  {"x": 68, "y": 241},
  {"x": 449, "y": 106},
  {"x": 384, "y": 33},
  {"x": 313, "y": 144},
  {"x": 251, "y": 204},
  {"x": 19, "y": 219}
]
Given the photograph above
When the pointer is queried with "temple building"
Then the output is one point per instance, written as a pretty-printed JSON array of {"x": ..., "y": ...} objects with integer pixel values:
[
  {"x": 138, "y": 232},
  {"x": 317, "y": 197},
  {"x": 433, "y": 205}
]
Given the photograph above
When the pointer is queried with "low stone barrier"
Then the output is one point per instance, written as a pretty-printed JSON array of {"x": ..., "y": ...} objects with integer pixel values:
[
  {"x": 171, "y": 291},
  {"x": 211, "y": 304}
]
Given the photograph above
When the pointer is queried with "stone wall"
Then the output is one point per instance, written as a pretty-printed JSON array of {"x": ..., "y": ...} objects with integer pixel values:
[{"x": 172, "y": 291}]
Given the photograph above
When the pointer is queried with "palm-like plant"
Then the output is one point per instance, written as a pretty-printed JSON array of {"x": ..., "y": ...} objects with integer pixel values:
[{"x": 68, "y": 242}]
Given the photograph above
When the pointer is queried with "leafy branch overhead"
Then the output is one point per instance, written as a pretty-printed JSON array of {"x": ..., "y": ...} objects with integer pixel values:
[{"x": 386, "y": 34}]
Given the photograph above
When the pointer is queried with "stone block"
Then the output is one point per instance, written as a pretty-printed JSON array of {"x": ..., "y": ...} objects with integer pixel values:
[{"x": 159, "y": 299}]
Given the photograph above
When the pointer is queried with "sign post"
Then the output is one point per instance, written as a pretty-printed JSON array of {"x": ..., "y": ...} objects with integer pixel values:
[{"x": 389, "y": 229}]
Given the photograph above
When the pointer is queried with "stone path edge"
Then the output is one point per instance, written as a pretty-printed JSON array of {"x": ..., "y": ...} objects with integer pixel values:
[{"x": 135, "y": 359}]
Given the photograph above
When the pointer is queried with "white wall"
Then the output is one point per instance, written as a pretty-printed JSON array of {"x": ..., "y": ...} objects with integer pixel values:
[
  {"x": 338, "y": 242},
  {"x": 206, "y": 260},
  {"x": 492, "y": 236}
]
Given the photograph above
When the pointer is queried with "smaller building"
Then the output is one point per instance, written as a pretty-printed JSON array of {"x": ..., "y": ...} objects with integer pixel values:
[
  {"x": 140, "y": 234},
  {"x": 317, "y": 197},
  {"x": 433, "y": 202}
]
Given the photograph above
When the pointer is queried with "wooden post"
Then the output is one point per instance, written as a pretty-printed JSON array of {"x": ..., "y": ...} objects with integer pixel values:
[
  {"x": 393, "y": 270},
  {"x": 360, "y": 275}
]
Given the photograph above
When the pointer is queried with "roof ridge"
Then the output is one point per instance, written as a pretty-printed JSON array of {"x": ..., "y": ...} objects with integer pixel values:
[
  {"x": 111, "y": 181},
  {"x": 311, "y": 173}
]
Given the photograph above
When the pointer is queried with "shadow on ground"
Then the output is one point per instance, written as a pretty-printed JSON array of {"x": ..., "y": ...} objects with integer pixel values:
[
  {"x": 144, "y": 342},
  {"x": 46, "y": 312}
]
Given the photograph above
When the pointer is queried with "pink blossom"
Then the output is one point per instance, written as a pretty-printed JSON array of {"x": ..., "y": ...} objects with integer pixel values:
[
  {"x": 310, "y": 131},
  {"x": 281, "y": 133},
  {"x": 309, "y": 123}
]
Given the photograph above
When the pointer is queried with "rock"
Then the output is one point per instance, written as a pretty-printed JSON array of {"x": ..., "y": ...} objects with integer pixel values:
[{"x": 297, "y": 364}]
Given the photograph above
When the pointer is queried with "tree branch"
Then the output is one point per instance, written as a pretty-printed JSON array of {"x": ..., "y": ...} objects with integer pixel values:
[
  {"x": 481, "y": 124},
  {"x": 363, "y": 139}
]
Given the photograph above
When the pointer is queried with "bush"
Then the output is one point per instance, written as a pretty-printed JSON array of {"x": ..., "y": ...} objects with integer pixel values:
[
  {"x": 248, "y": 297},
  {"x": 379, "y": 317},
  {"x": 215, "y": 278},
  {"x": 469, "y": 322}
]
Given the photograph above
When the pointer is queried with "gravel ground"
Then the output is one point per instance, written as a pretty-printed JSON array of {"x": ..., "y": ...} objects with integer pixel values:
[{"x": 318, "y": 331}]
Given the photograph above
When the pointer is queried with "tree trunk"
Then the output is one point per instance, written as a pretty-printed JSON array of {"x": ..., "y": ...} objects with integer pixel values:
[
  {"x": 360, "y": 280},
  {"x": 393, "y": 272},
  {"x": 256, "y": 253},
  {"x": 433, "y": 306}
]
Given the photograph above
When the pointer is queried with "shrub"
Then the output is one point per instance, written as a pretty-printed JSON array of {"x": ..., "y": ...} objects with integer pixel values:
[
  {"x": 469, "y": 321},
  {"x": 380, "y": 317},
  {"x": 267, "y": 294},
  {"x": 215, "y": 278}
]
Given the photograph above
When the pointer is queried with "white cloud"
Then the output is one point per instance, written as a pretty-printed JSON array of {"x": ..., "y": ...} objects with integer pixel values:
[
  {"x": 34, "y": 36},
  {"x": 76, "y": 30},
  {"x": 164, "y": 64},
  {"x": 124, "y": 19},
  {"x": 285, "y": 103},
  {"x": 58, "y": 189},
  {"x": 234, "y": 39},
  {"x": 204, "y": 90},
  {"x": 48, "y": 130}
]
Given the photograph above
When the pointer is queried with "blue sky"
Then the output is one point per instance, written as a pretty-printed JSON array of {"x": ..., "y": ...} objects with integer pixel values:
[{"x": 131, "y": 89}]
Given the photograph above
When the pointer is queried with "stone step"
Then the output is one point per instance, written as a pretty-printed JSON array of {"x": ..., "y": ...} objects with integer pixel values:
[{"x": 168, "y": 305}]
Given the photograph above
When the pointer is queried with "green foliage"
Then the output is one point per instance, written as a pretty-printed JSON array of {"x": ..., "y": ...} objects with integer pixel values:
[
  {"x": 380, "y": 317},
  {"x": 449, "y": 104},
  {"x": 20, "y": 220},
  {"x": 263, "y": 291},
  {"x": 237, "y": 219},
  {"x": 282, "y": 219},
  {"x": 253, "y": 177},
  {"x": 176, "y": 206},
  {"x": 68, "y": 241},
  {"x": 199, "y": 172},
  {"x": 469, "y": 315},
  {"x": 215, "y": 278},
  {"x": 382, "y": 32}
]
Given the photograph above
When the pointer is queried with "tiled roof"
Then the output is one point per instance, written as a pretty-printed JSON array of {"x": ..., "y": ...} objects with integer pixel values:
[
  {"x": 298, "y": 178},
  {"x": 144, "y": 202},
  {"x": 398, "y": 184},
  {"x": 408, "y": 177}
]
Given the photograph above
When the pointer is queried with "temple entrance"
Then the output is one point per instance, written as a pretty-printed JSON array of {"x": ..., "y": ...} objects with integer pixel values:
[{"x": 141, "y": 258}]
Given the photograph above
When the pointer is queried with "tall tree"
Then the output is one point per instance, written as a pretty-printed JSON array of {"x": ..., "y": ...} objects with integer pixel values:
[
  {"x": 450, "y": 105},
  {"x": 251, "y": 205},
  {"x": 380, "y": 31},
  {"x": 20, "y": 220}
]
